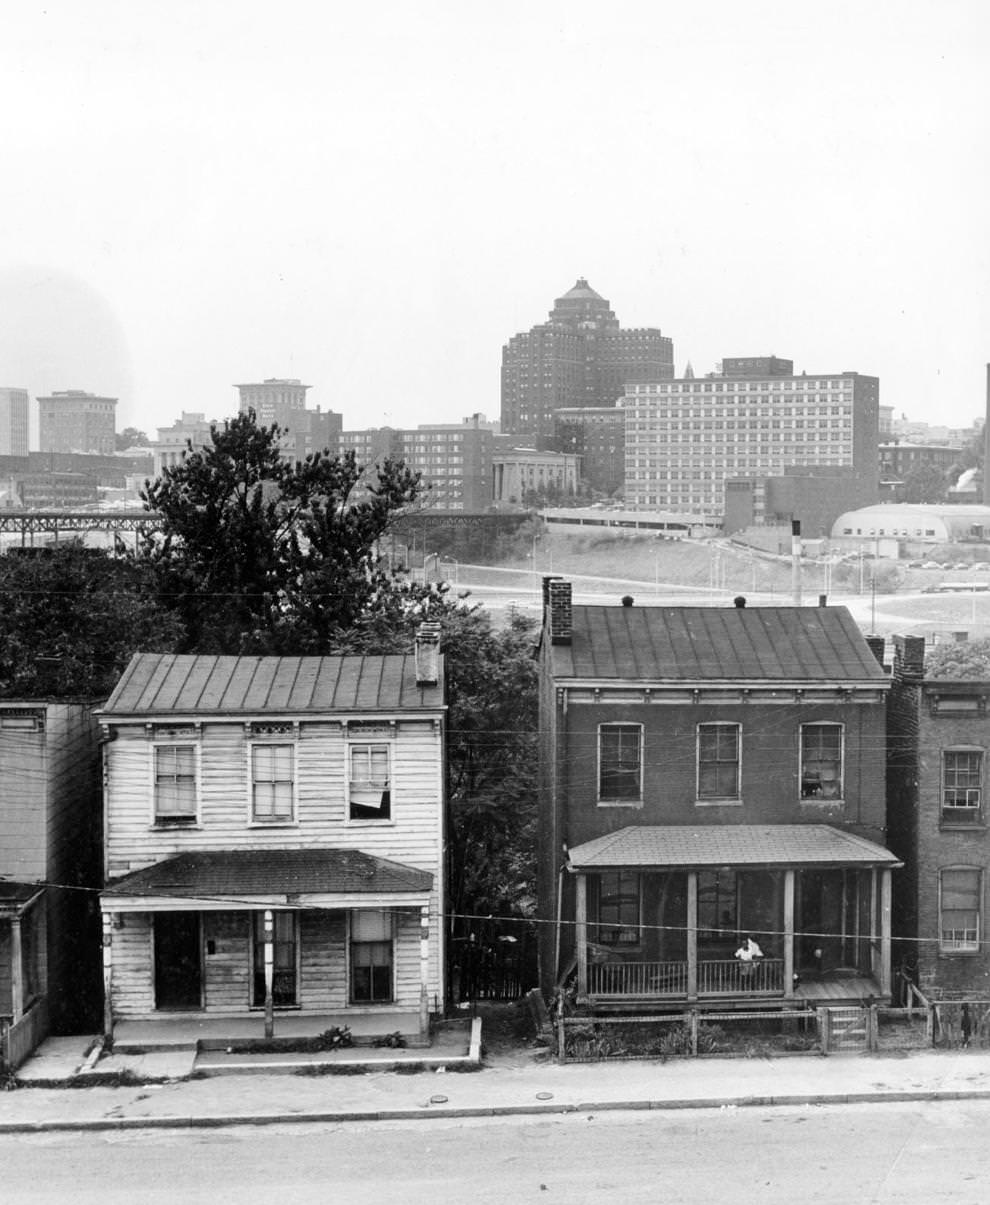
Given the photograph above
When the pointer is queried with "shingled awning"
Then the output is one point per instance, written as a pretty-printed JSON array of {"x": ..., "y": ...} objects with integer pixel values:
[
  {"x": 753, "y": 846},
  {"x": 225, "y": 880}
]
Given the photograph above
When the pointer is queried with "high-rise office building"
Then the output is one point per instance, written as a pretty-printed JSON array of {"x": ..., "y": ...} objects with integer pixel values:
[
  {"x": 273, "y": 400},
  {"x": 14, "y": 408},
  {"x": 72, "y": 420},
  {"x": 580, "y": 357},
  {"x": 685, "y": 438}
]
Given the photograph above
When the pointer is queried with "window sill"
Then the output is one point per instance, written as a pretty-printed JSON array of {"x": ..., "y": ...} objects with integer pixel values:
[
  {"x": 273, "y": 824},
  {"x": 958, "y": 953},
  {"x": 368, "y": 822},
  {"x": 809, "y": 802},
  {"x": 728, "y": 802},
  {"x": 620, "y": 803},
  {"x": 171, "y": 826},
  {"x": 962, "y": 826}
]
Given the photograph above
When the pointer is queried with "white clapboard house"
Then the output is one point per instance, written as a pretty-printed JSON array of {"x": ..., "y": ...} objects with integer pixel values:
[{"x": 274, "y": 842}]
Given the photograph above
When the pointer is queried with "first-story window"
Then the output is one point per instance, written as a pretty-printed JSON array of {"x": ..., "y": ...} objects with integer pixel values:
[
  {"x": 371, "y": 958},
  {"x": 960, "y": 908},
  {"x": 718, "y": 761},
  {"x": 272, "y": 782},
  {"x": 175, "y": 783},
  {"x": 370, "y": 792},
  {"x": 285, "y": 946},
  {"x": 821, "y": 761},
  {"x": 962, "y": 785},
  {"x": 620, "y": 762},
  {"x": 617, "y": 916}
]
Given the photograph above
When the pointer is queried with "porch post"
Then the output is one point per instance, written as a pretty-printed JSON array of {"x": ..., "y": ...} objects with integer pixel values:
[
  {"x": 581, "y": 932},
  {"x": 788, "y": 932},
  {"x": 692, "y": 935},
  {"x": 885, "y": 885},
  {"x": 16, "y": 969},
  {"x": 875, "y": 938},
  {"x": 424, "y": 970},
  {"x": 107, "y": 920},
  {"x": 269, "y": 973}
]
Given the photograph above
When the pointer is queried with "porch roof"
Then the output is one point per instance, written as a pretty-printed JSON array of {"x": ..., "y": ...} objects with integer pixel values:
[
  {"x": 717, "y": 845},
  {"x": 232, "y": 877},
  {"x": 15, "y": 895}
]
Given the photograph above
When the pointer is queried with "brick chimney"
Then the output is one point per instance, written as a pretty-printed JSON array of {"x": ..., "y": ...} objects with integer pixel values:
[
  {"x": 909, "y": 658},
  {"x": 427, "y": 654},
  {"x": 876, "y": 644},
  {"x": 559, "y": 609}
]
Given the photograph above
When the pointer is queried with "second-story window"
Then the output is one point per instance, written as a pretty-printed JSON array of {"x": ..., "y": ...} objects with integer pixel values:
[
  {"x": 821, "y": 761},
  {"x": 175, "y": 784},
  {"x": 272, "y": 783},
  {"x": 620, "y": 763},
  {"x": 718, "y": 761},
  {"x": 370, "y": 789},
  {"x": 962, "y": 786}
]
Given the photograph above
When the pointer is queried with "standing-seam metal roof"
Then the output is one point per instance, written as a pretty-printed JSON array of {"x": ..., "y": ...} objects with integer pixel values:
[
  {"x": 730, "y": 644},
  {"x": 166, "y": 682}
]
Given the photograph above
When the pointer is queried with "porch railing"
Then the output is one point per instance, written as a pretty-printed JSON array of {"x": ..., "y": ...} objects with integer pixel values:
[
  {"x": 638, "y": 979},
  {"x": 718, "y": 978},
  {"x": 729, "y": 977}
]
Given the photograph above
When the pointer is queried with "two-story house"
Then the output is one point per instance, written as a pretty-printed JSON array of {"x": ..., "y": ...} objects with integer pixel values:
[
  {"x": 711, "y": 775},
  {"x": 939, "y": 749},
  {"x": 274, "y": 840},
  {"x": 49, "y": 872}
]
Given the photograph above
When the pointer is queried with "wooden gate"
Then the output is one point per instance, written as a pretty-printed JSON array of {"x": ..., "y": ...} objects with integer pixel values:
[{"x": 847, "y": 1030}]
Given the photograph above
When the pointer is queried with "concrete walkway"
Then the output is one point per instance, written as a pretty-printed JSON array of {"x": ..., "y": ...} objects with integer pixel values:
[{"x": 525, "y": 1083}]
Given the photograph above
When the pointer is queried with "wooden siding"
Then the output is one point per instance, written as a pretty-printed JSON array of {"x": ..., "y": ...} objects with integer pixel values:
[
  {"x": 413, "y": 837},
  {"x": 227, "y": 972},
  {"x": 24, "y": 774}
]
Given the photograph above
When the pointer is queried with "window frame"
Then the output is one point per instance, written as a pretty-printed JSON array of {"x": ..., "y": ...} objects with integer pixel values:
[
  {"x": 968, "y": 946},
  {"x": 175, "y": 819},
  {"x": 618, "y": 899},
  {"x": 718, "y": 797},
  {"x": 352, "y": 945},
  {"x": 614, "y": 800},
  {"x": 820, "y": 725},
  {"x": 966, "y": 815},
  {"x": 254, "y": 820},
  {"x": 258, "y": 955},
  {"x": 371, "y": 744}
]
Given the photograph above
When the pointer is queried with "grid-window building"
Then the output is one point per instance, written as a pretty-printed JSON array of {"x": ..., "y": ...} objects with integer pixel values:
[
  {"x": 14, "y": 408},
  {"x": 685, "y": 438},
  {"x": 72, "y": 420},
  {"x": 580, "y": 357}
]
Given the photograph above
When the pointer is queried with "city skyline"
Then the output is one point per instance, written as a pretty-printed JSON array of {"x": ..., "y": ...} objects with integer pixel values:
[{"x": 375, "y": 203}]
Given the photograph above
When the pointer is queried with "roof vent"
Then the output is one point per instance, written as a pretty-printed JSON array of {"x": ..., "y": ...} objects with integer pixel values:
[
  {"x": 627, "y": 600},
  {"x": 739, "y": 601}
]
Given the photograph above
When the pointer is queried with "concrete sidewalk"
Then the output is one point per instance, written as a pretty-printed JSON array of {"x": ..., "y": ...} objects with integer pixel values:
[{"x": 522, "y": 1084}]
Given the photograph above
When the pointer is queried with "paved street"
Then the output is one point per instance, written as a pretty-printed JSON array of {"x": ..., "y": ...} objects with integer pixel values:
[{"x": 846, "y": 1155}]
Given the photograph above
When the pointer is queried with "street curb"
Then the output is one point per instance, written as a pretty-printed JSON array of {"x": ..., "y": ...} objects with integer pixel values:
[{"x": 427, "y": 1113}]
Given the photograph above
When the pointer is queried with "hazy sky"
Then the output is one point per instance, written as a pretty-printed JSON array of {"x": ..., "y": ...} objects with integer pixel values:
[{"x": 375, "y": 197}]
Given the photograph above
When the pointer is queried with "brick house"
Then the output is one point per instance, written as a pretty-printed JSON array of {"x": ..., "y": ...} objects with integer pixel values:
[
  {"x": 708, "y": 774},
  {"x": 275, "y": 835},
  {"x": 939, "y": 744}
]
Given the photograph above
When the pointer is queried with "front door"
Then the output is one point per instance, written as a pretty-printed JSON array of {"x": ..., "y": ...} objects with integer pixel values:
[{"x": 178, "y": 961}]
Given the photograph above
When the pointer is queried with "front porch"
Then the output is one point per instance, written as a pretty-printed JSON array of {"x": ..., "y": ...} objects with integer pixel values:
[{"x": 664, "y": 916}]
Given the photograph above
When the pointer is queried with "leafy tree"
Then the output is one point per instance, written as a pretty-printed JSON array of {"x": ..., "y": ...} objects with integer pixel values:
[
  {"x": 926, "y": 483},
  {"x": 962, "y": 660},
  {"x": 130, "y": 437},
  {"x": 259, "y": 554},
  {"x": 70, "y": 618}
]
